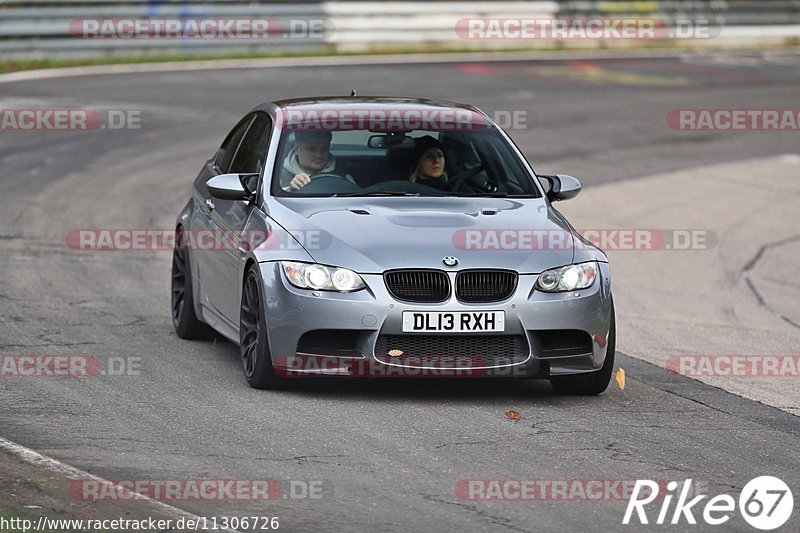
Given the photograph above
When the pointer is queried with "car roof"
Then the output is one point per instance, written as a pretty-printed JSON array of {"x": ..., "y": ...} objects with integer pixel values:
[{"x": 318, "y": 104}]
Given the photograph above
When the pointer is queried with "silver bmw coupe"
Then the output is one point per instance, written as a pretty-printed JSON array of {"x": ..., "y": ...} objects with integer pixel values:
[{"x": 389, "y": 237}]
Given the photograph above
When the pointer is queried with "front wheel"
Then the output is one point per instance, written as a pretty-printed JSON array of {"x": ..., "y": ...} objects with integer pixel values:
[
  {"x": 253, "y": 345},
  {"x": 186, "y": 323},
  {"x": 591, "y": 383}
]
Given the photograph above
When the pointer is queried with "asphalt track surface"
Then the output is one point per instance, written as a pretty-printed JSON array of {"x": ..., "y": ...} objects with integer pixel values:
[{"x": 389, "y": 454}]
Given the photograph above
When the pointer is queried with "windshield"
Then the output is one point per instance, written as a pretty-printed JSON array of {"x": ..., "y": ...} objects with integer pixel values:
[{"x": 399, "y": 163}]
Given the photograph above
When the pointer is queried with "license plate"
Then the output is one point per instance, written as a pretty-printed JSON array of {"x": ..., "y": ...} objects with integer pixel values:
[{"x": 453, "y": 321}]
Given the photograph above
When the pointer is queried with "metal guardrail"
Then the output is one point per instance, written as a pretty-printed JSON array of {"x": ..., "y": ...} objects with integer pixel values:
[
  {"x": 45, "y": 28},
  {"x": 732, "y": 13}
]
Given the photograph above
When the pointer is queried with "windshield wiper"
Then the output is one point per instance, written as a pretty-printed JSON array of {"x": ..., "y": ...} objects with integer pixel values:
[
  {"x": 495, "y": 195},
  {"x": 378, "y": 193}
]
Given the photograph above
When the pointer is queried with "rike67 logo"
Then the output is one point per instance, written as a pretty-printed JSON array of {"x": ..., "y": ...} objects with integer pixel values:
[{"x": 766, "y": 503}]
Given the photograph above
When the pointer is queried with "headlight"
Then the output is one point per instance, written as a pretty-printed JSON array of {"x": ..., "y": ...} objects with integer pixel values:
[
  {"x": 321, "y": 278},
  {"x": 568, "y": 278}
]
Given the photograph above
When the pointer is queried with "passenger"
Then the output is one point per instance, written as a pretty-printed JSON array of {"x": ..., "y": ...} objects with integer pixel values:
[
  {"x": 309, "y": 156},
  {"x": 429, "y": 159}
]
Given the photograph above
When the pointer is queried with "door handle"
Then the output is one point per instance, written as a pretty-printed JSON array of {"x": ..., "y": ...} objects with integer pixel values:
[{"x": 210, "y": 204}]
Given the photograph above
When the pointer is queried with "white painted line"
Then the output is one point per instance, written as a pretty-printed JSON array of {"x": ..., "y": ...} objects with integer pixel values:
[
  {"x": 35, "y": 458},
  {"x": 334, "y": 61}
]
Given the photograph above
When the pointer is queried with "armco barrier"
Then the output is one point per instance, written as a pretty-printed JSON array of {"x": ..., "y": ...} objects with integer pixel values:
[{"x": 44, "y": 28}]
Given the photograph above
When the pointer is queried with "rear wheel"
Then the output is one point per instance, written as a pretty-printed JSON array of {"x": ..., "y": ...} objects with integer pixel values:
[
  {"x": 254, "y": 348},
  {"x": 186, "y": 323},
  {"x": 591, "y": 383}
]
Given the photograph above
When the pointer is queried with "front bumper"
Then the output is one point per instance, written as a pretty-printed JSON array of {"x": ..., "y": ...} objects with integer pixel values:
[{"x": 543, "y": 322}]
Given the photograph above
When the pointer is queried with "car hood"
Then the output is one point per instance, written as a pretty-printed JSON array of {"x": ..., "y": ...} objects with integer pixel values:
[{"x": 371, "y": 235}]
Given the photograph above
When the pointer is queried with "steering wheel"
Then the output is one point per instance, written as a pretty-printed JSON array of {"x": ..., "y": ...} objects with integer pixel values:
[
  {"x": 327, "y": 175},
  {"x": 460, "y": 181},
  {"x": 328, "y": 182}
]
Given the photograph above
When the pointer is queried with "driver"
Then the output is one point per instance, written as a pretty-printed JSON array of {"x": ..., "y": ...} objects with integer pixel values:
[
  {"x": 309, "y": 156},
  {"x": 429, "y": 158}
]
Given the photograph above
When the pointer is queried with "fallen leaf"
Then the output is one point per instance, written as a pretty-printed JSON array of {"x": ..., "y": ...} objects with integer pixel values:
[
  {"x": 621, "y": 378},
  {"x": 513, "y": 415}
]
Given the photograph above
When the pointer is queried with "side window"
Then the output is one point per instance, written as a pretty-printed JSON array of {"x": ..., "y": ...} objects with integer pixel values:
[
  {"x": 253, "y": 148},
  {"x": 231, "y": 143}
]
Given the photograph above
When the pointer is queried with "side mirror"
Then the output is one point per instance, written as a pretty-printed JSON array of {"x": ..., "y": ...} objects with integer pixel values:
[
  {"x": 229, "y": 187},
  {"x": 562, "y": 187}
]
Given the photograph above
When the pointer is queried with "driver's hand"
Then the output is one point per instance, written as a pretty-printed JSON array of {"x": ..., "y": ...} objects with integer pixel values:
[{"x": 299, "y": 181}]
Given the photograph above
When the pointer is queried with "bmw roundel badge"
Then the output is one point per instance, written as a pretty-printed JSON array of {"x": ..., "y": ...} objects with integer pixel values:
[{"x": 450, "y": 261}]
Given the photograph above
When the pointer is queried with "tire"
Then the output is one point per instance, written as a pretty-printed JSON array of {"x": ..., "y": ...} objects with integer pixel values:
[
  {"x": 253, "y": 341},
  {"x": 592, "y": 383},
  {"x": 184, "y": 320}
]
